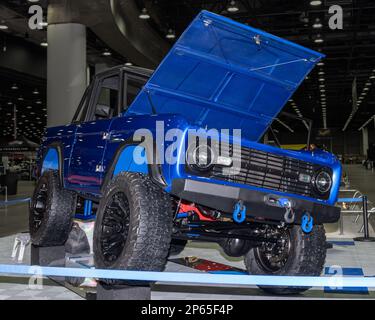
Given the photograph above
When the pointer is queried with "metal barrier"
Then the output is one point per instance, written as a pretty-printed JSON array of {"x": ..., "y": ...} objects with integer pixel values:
[
  {"x": 366, "y": 237},
  {"x": 334, "y": 281},
  {"x": 357, "y": 203},
  {"x": 13, "y": 202}
]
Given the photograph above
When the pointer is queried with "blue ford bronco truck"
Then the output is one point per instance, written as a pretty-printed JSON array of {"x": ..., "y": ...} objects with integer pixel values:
[{"x": 160, "y": 158}]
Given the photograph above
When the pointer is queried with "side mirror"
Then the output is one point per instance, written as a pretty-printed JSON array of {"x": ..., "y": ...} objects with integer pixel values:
[{"x": 102, "y": 111}]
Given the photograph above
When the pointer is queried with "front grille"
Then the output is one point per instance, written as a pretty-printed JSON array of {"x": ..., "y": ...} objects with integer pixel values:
[{"x": 270, "y": 171}]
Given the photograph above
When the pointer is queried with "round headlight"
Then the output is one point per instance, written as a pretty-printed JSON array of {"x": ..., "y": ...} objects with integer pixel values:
[
  {"x": 201, "y": 158},
  {"x": 323, "y": 182}
]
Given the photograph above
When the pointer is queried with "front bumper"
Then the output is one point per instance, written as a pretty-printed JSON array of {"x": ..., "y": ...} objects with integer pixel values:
[{"x": 260, "y": 205}]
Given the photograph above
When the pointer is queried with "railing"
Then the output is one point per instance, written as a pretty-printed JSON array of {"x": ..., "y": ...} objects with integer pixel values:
[{"x": 359, "y": 204}]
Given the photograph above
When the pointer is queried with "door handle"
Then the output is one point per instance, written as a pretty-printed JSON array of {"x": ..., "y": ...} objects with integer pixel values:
[
  {"x": 99, "y": 168},
  {"x": 106, "y": 135}
]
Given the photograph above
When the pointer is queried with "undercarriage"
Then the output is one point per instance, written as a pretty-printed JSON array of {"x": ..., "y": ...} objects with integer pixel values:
[{"x": 204, "y": 224}]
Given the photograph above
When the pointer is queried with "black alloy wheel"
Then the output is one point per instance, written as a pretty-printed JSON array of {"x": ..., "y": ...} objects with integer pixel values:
[
  {"x": 272, "y": 257},
  {"x": 115, "y": 227}
]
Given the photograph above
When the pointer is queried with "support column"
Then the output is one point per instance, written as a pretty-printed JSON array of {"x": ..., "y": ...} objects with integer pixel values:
[
  {"x": 66, "y": 71},
  {"x": 364, "y": 141}
]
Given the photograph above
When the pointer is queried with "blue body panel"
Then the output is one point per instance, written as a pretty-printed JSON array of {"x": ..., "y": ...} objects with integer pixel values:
[
  {"x": 126, "y": 163},
  {"x": 222, "y": 74},
  {"x": 88, "y": 151},
  {"x": 123, "y": 128}
]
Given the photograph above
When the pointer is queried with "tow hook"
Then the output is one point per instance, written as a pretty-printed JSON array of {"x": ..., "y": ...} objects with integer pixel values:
[
  {"x": 239, "y": 212},
  {"x": 289, "y": 215},
  {"x": 307, "y": 223}
]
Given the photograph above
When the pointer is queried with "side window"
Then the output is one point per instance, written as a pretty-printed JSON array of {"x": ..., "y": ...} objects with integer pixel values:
[
  {"x": 132, "y": 86},
  {"x": 107, "y": 101}
]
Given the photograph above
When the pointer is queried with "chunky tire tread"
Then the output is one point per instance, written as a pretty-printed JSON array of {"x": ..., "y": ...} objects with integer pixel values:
[
  {"x": 307, "y": 258},
  {"x": 150, "y": 229},
  {"x": 58, "y": 217}
]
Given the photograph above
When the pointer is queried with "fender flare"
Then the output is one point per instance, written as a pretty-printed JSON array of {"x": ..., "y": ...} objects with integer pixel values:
[{"x": 154, "y": 169}]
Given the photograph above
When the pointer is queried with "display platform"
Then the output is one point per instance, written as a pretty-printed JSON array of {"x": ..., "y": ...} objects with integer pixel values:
[{"x": 346, "y": 258}]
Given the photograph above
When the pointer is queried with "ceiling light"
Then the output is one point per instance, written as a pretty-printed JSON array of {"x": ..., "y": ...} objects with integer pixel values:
[
  {"x": 318, "y": 40},
  {"x": 144, "y": 14},
  {"x": 44, "y": 44},
  {"x": 36, "y": 91},
  {"x": 128, "y": 64},
  {"x": 315, "y": 3},
  {"x": 106, "y": 53},
  {"x": 170, "y": 34},
  {"x": 321, "y": 79},
  {"x": 20, "y": 99},
  {"x": 14, "y": 87},
  {"x": 232, "y": 7},
  {"x": 320, "y": 64},
  {"x": 321, "y": 72},
  {"x": 33, "y": 1},
  {"x": 317, "y": 24},
  {"x": 365, "y": 89},
  {"x": 3, "y": 26},
  {"x": 38, "y": 102}
]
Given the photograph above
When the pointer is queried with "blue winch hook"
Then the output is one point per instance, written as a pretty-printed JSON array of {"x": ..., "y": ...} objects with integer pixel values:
[
  {"x": 289, "y": 215},
  {"x": 307, "y": 223},
  {"x": 239, "y": 212}
]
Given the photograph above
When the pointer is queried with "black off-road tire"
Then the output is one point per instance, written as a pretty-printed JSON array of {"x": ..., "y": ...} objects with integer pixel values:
[
  {"x": 177, "y": 246},
  {"x": 307, "y": 257},
  {"x": 144, "y": 235},
  {"x": 51, "y": 211}
]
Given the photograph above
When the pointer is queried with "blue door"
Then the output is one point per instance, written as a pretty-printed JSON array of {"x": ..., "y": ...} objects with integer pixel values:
[{"x": 86, "y": 163}]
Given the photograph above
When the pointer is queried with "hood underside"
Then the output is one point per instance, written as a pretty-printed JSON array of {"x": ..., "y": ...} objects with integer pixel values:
[{"x": 225, "y": 75}]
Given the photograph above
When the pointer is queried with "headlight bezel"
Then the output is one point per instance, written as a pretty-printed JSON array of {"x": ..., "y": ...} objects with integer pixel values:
[
  {"x": 193, "y": 153},
  {"x": 321, "y": 174}
]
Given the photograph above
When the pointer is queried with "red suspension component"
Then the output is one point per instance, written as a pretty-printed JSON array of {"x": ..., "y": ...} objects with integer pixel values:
[{"x": 187, "y": 207}]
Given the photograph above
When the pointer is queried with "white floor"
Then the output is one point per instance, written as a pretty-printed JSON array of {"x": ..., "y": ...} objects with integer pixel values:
[{"x": 359, "y": 256}]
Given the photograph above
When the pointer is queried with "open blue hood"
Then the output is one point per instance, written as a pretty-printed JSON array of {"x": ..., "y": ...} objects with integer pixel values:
[{"x": 225, "y": 75}]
